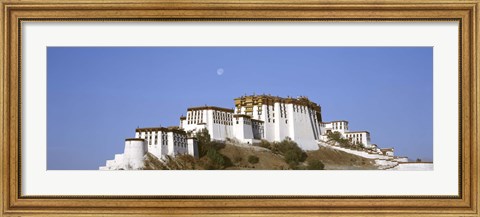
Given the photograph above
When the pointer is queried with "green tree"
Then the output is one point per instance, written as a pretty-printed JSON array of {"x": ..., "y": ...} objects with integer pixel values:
[
  {"x": 216, "y": 160},
  {"x": 337, "y": 137},
  {"x": 203, "y": 141},
  {"x": 203, "y": 136},
  {"x": 334, "y": 136},
  {"x": 293, "y": 154},
  {"x": 292, "y": 157}
]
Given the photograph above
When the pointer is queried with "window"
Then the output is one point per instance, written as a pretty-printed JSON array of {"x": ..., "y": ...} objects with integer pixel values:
[{"x": 286, "y": 121}]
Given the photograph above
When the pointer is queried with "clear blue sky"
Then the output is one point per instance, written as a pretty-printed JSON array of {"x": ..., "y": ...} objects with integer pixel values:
[{"x": 98, "y": 96}]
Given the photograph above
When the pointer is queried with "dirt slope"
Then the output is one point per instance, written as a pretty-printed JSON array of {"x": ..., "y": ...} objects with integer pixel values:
[{"x": 339, "y": 160}]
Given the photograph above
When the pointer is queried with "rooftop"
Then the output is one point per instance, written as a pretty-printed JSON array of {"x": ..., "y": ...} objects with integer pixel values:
[
  {"x": 164, "y": 129},
  {"x": 334, "y": 121},
  {"x": 210, "y": 108},
  {"x": 358, "y": 132},
  {"x": 386, "y": 149}
]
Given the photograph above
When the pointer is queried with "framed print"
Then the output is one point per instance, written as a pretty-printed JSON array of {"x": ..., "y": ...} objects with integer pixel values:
[{"x": 255, "y": 108}]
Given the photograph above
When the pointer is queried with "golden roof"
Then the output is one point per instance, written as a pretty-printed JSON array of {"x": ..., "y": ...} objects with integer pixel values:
[{"x": 270, "y": 100}]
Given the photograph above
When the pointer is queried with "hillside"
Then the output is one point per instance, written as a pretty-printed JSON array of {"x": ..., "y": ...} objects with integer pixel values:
[
  {"x": 339, "y": 160},
  {"x": 239, "y": 156},
  {"x": 242, "y": 157},
  {"x": 331, "y": 158}
]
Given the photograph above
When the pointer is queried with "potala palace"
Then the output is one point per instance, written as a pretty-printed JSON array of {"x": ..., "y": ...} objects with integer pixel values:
[{"x": 254, "y": 118}]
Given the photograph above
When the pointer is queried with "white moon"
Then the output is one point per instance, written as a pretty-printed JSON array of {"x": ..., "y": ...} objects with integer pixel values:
[{"x": 220, "y": 71}]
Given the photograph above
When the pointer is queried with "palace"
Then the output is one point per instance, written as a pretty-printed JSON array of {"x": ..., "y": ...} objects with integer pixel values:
[
  {"x": 254, "y": 118},
  {"x": 260, "y": 117}
]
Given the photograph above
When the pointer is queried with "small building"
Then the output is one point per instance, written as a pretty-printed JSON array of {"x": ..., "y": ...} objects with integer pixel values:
[
  {"x": 217, "y": 120},
  {"x": 159, "y": 141},
  {"x": 387, "y": 151},
  {"x": 163, "y": 141},
  {"x": 340, "y": 126},
  {"x": 359, "y": 137}
]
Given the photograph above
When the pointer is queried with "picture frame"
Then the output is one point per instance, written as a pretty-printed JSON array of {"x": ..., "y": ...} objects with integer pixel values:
[{"x": 14, "y": 13}]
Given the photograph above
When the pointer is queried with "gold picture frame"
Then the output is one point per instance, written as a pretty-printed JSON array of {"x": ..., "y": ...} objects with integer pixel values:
[{"x": 15, "y": 12}]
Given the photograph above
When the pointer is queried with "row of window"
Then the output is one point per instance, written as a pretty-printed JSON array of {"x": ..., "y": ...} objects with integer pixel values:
[
  {"x": 301, "y": 109},
  {"x": 221, "y": 115},
  {"x": 283, "y": 111},
  {"x": 355, "y": 136},
  {"x": 152, "y": 138},
  {"x": 181, "y": 144},
  {"x": 196, "y": 115},
  {"x": 222, "y": 122},
  {"x": 339, "y": 125}
]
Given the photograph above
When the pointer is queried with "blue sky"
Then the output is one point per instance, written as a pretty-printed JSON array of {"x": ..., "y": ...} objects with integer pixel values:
[{"x": 97, "y": 96}]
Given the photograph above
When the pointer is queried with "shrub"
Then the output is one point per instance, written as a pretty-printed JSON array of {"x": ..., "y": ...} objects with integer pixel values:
[
  {"x": 205, "y": 144},
  {"x": 293, "y": 154},
  {"x": 292, "y": 157},
  {"x": 216, "y": 159},
  {"x": 315, "y": 164},
  {"x": 337, "y": 137},
  {"x": 265, "y": 144},
  {"x": 290, "y": 150},
  {"x": 253, "y": 159}
]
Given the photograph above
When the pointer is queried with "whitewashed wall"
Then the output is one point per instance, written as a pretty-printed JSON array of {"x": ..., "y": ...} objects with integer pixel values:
[{"x": 133, "y": 153}]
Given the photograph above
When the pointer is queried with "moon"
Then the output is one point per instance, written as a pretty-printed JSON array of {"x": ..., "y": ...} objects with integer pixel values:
[{"x": 220, "y": 71}]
